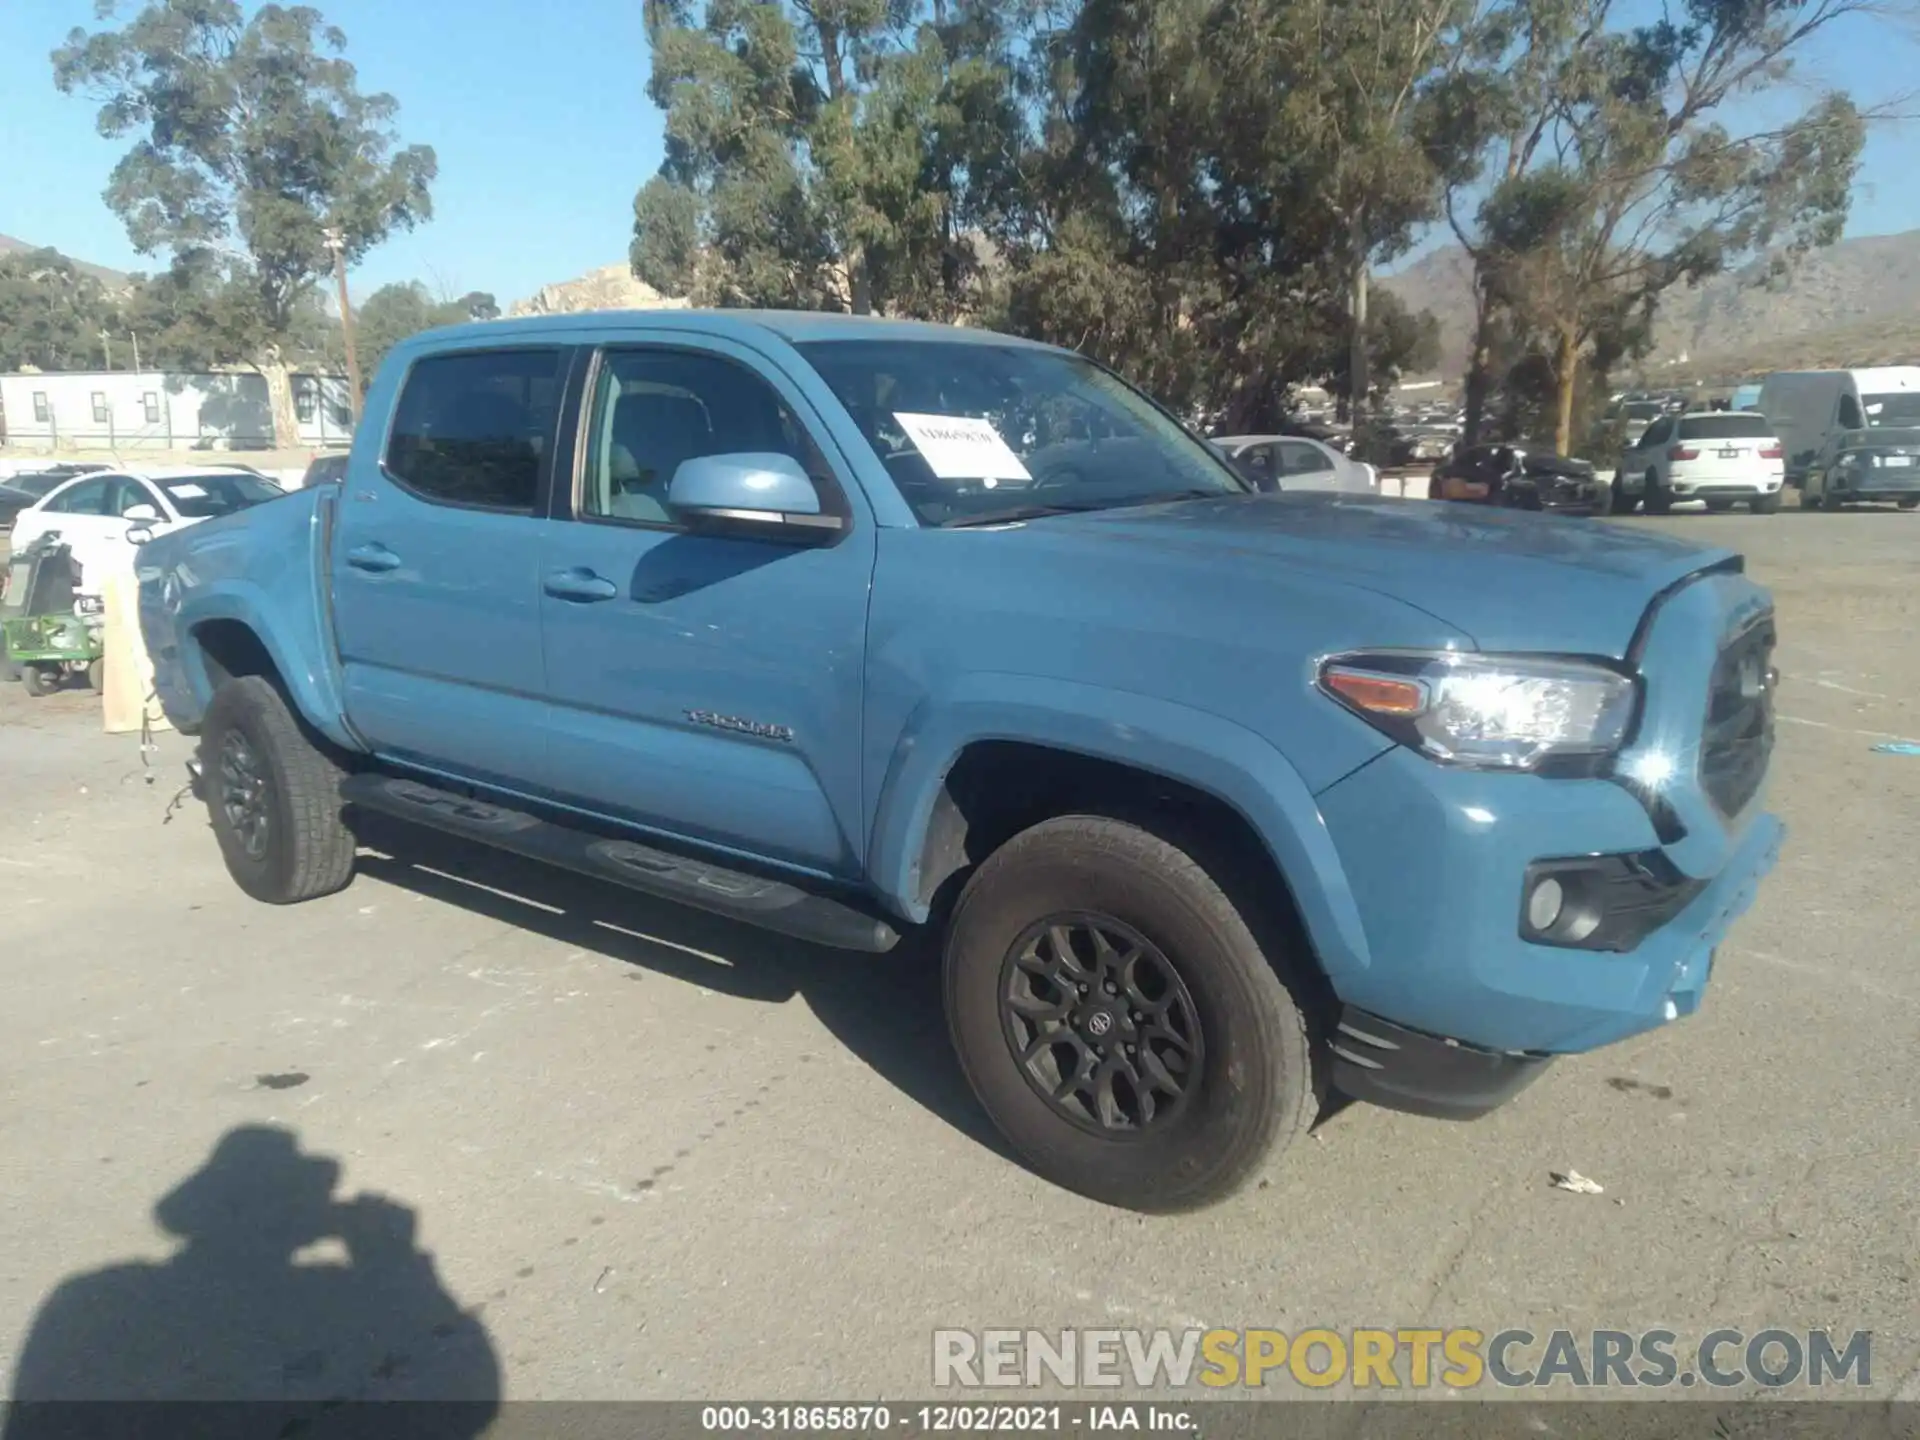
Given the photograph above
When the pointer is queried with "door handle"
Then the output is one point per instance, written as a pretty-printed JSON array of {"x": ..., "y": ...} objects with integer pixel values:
[
  {"x": 375, "y": 557},
  {"x": 579, "y": 584}
]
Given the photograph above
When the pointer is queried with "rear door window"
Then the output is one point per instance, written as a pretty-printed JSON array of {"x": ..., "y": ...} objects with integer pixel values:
[
  {"x": 476, "y": 428},
  {"x": 89, "y": 497}
]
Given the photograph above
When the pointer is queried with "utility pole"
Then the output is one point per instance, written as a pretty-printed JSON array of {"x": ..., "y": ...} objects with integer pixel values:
[
  {"x": 337, "y": 243},
  {"x": 136, "y": 349},
  {"x": 106, "y": 343}
]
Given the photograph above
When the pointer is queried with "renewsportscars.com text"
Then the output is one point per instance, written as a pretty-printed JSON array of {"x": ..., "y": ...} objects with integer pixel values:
[{"x": 1417, "y": 1359}]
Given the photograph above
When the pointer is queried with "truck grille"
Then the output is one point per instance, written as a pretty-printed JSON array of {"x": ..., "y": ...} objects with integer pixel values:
[{"x": 1738, "y": 741}]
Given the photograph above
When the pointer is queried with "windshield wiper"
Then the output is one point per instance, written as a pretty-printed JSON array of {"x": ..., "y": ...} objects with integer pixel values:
[{"x": 1013, "y": 513}]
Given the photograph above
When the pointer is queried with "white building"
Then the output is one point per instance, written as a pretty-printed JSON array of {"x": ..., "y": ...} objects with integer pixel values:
[{"x": 156, "y": 410}]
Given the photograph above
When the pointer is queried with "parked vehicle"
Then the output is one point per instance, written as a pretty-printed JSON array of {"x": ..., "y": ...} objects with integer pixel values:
[
  {"x": 843, "y": 627},
  {"x": 325, "y": 470},
  {"x": 22, "y": 489},
  {"x": 1280, "y": 462},
  {"x": 92, "y": 511},
  {"x": 1519, "y": 477},
  {"x": 48, "y": 629},
  {"x": 1717, "y": 456},
  {"x": 1849, "y": 435}
]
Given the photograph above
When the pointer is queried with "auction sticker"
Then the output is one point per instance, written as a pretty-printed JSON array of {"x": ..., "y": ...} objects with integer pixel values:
[{"x": 962, "y": 447}]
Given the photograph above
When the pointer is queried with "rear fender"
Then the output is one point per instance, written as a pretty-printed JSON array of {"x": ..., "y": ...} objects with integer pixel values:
[{"x": 1211, "y": 754}]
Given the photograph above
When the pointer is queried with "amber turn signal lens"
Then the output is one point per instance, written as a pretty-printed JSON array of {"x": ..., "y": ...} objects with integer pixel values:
[{"x": 1377, "y": 694}]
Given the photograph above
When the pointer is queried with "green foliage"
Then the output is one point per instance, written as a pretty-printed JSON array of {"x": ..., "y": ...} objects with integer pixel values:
[
  {"x": 393, "y": 312},
  {"x": 251, "y": 140},
  {"x": 833, "y": 154},
  {"x": 1610, "y": 176},
  {"x": 51, "y": 314}
]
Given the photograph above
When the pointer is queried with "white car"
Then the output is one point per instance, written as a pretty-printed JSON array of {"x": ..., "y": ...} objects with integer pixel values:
[
  {"x": 1724, "y": 458},
  {"x": 93, "y": 513},
  {"x": 1293, "y": 462}
]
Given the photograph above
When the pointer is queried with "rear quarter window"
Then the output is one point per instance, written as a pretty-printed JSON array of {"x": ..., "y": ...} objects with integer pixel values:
[{"x": 475, "y": 427}]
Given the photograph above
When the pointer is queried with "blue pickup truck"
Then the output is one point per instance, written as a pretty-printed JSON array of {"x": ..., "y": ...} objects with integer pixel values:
[{"x": 850, "y": 628}]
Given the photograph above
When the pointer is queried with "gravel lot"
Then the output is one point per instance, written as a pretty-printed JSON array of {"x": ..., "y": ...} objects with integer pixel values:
[{"x": 656, "y": 1155}]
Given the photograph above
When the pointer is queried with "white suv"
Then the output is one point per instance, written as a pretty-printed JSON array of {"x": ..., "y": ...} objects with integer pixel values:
[{"x": 1724, "y": 458}]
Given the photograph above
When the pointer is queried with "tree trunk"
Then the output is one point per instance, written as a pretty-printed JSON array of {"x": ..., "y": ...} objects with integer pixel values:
[
  {"x": 1567, "y": 371},
  {"x": 1357, "y": 379},
  {"x": 1479, "y": 381},
  {"x": 859, "y": 282},
  {"x": 286, "y": 420}
]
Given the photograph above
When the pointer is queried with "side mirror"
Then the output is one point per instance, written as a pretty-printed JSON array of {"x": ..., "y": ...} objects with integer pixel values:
[
  {"x": 750, "y": 493},
  {"x": 141, "y": 513}
]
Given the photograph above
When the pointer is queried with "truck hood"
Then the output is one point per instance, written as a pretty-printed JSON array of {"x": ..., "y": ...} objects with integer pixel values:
[{"x": 1510, "y": 580}]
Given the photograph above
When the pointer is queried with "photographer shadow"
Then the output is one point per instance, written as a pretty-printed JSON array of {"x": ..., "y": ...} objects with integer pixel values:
[{"x": 282, "y": 1309}]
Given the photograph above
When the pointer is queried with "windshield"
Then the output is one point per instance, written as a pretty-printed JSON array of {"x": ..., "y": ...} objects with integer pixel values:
[
  {"x": 1642, "y": 410},
  {"x": 1898, "y": 411},
  {"x": 1726, "y": 427},
  {"x": 202, "y": 497},
  {"x": 974, "y": 431},
  {"x": 37, "y": 485}
]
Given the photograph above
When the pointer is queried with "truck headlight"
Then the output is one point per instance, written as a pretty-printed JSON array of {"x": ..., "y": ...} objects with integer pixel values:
[{"x": 1496, "y": 712}]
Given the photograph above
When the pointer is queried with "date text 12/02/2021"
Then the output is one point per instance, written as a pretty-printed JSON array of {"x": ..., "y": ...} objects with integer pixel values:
[{"x": 943, "y": 1419}]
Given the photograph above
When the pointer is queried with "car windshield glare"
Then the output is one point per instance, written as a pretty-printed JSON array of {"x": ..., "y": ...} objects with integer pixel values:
[
  {"x": 204, "y": 497},
  {"x": 1898, "y": 411},
  {"x": 971, "y": 430}
]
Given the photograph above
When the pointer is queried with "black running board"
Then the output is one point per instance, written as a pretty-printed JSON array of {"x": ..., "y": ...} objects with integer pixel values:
[{"x": 757, "y": 900}]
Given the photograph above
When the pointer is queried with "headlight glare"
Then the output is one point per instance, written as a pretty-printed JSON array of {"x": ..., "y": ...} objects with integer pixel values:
[{"x": 1504, "y": 712}]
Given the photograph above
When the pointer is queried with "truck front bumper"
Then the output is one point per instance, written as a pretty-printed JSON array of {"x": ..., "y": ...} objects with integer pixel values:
[{"x": 1439, "y": 862}]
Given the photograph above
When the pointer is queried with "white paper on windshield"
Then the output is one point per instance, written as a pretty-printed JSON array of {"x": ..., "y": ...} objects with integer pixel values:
[
  {"x": 961, "y": 447},
  {"x": 186, "y": 491}
]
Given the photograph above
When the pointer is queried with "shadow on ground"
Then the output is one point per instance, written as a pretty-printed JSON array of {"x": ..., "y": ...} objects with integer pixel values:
[
  {"x": 283, "y": 1306},
  {"x": 886, "y": 1009}
]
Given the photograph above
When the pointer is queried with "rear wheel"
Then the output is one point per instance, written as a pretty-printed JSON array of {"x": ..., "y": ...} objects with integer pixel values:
[
  {"x": 1118, "y": 1020},
  {"x": 273, "y": 796},
  {"x": 1765, "y": 504},
  {"x": 40, "y": 679},
  {"x": 1658, "y": 501},
  {"x": 97, "y": 676}
]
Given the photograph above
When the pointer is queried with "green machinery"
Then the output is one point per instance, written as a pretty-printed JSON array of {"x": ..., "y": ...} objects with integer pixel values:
[{"x": 48, "y": 629}]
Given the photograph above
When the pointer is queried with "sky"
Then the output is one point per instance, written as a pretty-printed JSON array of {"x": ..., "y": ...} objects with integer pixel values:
[{"x": 540, "y": 118}]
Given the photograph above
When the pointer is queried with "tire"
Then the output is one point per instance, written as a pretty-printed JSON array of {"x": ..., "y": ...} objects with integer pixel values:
[
  {"x": 40, "y": 679},
  {"x": 1830, "y": 501},
  {"x": 97, "y": 676},
  {"x": 1658, "y": 502},
  {"x": 290, "y": 843},
  {"x": 1255, "y": 1089},
  {"x": 9, "y": 667},
  {"x": 1619, "y": 502},
  {"x": 1766, "y": 504}
]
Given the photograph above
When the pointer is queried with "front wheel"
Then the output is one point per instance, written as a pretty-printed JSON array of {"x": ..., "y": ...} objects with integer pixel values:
[
  {"x": 40, "y": 679},
  {"x": 1118, "y": 1020},
  {"x": 273, "y": 796}
]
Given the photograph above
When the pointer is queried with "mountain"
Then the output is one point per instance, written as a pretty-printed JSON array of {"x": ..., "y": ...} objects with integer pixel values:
[
  {"x": 112, "y": 279},
  {"x": 1855, "y": 303},
  {"x": 611, "y": 287}
]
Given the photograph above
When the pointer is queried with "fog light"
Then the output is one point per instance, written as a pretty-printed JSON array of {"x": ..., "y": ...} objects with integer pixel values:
[{"x": 1545, "y": 903}]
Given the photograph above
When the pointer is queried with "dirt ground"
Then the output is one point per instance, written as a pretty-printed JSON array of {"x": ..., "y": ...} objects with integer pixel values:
[{"x": 471, "y": 1126}]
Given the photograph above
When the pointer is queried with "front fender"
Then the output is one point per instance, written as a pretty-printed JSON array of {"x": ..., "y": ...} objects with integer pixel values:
[{"x": 1214, "y": 755}]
